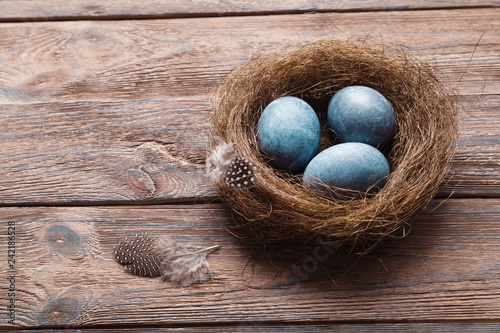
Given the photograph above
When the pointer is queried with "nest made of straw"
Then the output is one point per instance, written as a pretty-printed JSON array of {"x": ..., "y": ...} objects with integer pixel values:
[{"x": 279, "y": 207}]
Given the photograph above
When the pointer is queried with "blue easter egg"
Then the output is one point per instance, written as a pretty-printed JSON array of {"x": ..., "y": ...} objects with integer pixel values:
[
  {"x": 289, "y": 132},
  {"x": 353, "y": 166},
  {"x": 361, "y": 114}
]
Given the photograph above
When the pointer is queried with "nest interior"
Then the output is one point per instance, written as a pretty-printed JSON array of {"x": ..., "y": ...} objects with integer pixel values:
[{"x": 279, "y": 207}]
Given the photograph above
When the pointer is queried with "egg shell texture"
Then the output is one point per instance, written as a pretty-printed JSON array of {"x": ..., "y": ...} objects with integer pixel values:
[
  {"x": 289, "y": 133},
  {"x": 353, "y": 166},
  {"x": 361, "y": 114}
]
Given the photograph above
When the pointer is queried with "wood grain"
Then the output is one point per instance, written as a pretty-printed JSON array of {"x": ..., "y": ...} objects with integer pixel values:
[
  {"x": 117, "y": 111},
  {"x": 96, "y": 151},
  {"x": 161, "y": 59},
  {"x": 111, "y": 108},
  {"x": 92, "y": 9},
  {"x": 154, "y": 151},
  {"x": 446, "y": 269}
]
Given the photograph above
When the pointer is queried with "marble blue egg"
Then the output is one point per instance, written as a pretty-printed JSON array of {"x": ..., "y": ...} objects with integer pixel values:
[
  {"x": 361, "y": 114},
  {"x": 288, "y": 132},
  {"x": 356, "y": 167}
]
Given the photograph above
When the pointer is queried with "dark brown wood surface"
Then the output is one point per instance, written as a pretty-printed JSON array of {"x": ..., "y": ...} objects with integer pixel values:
[
  {"x": 103, "y": 127},
  {"x": 84, "y": 103},
  {"x": 446, "y": 269}
]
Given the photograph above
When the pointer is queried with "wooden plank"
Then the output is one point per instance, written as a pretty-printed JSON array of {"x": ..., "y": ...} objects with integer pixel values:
[
  {"x": 71, "y": 9},
  {"x": 161, "y": 59},
  {"x": 148, "y": 150},
  {"x": 445, "y": 270},
  {"x": 117, "y": 111},
  {"x": 154, "y": 151},
  {"x": 476, "y": 165}
]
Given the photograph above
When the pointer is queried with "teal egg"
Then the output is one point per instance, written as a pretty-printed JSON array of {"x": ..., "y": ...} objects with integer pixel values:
[
  {"x": 352, "y": 166},
  {"x": 361, "y": 114},
  {"x": 288, "y": 132}
]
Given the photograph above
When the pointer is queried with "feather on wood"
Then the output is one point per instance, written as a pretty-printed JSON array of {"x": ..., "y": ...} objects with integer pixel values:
[{"x": 148, "y": 255}]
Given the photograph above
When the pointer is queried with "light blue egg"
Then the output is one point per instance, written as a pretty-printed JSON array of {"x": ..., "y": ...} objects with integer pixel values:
[
  {"x": 353, "y": 166},
  {"x": 361, "y": 114},
  {"x": 288, "y": 132}
]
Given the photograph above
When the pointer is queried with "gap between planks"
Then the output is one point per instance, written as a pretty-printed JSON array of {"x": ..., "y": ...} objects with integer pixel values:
[
  {"x": 443, "y": 195},
  {"x": 127, "y": 17},
  {"x": 293, "y": 326}
]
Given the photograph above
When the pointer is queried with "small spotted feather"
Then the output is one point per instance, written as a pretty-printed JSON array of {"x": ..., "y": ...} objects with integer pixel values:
[
  {"x": 139, "y": 255},
  {"x": 240, "y": 173}
]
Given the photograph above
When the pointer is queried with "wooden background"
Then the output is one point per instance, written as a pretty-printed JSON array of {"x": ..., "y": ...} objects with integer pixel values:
[{"x": 103, "y": 127}]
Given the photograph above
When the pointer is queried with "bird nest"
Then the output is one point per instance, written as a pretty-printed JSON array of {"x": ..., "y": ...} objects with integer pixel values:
[{"x": 278, "y": 207}]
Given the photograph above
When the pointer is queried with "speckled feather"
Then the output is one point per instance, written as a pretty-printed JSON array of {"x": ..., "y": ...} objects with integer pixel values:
[
  {"x": 139, "y": 256},
  {"x": 146, "y": 255},
  {"x": 240, "y": 173}
]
